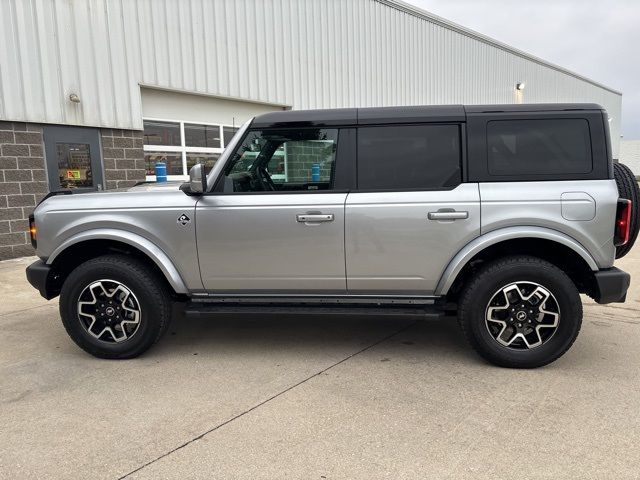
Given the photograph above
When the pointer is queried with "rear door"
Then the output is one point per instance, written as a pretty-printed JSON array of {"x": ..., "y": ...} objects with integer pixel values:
[{"x": 411, "y": 212}]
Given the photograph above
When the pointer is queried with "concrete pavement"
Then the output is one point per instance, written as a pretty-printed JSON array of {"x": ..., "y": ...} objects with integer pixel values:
[{"x": 285, "y": 397}]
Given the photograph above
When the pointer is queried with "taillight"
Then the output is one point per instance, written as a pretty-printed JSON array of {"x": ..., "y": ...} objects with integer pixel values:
[
  {"x": 623, "y": 222},
  {"x": 32, "y": 230}
]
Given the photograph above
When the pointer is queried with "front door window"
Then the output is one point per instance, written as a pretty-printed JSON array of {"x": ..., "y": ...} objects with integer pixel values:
[{"x": 284, "y": 161}]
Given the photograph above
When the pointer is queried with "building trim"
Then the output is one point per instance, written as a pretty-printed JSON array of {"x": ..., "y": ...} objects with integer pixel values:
[{"x": 210, "y": 95}]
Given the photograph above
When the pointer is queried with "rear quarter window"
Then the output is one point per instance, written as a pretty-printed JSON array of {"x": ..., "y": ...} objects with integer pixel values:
[{"x": 539, "y": 147}]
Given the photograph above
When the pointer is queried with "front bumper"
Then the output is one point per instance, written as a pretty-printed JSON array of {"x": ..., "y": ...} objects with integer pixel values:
[
  {"x": 611, "y": 285},
  {"x": 42, "y": 277}
]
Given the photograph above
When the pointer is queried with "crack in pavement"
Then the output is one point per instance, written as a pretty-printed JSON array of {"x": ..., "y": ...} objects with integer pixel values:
[
  {"x": 6, "y": 314},
  {"x": 226, "y": 422},
  {"x": 606, "y": 306}
]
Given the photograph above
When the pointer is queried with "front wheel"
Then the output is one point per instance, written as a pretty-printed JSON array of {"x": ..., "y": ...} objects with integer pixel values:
[
  {"x": 520, "y": 312},
  {"x": 114, "y": 306}
]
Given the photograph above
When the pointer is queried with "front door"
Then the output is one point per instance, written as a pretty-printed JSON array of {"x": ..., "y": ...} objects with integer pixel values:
[
  {"x": 73, "y": 158},
  {"x": 276, "y": 224}
]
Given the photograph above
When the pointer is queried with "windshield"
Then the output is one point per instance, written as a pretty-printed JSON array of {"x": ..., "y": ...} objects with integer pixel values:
[{"x": 231, "y": 147}]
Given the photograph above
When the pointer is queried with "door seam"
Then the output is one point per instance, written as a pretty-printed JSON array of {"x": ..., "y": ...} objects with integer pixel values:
[{"x": 344, "y": 242}]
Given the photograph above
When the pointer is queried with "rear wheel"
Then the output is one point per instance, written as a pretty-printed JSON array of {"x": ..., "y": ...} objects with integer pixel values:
[
  {"x": 520, "y": 312},
  {"x": 115, "y": 306},
  {"x": 628, "y": 188}
]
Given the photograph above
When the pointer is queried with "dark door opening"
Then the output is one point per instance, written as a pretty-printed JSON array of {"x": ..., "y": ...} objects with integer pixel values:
[{"x": 74, "y": 158}]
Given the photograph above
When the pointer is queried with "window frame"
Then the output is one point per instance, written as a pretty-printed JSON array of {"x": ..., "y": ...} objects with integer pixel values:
[
  {"x": 462, "y": 160},
  {"x": 182, "y": 149},
  {"x": 344, "y": 174},
  {"x": 478, "y": 158}
]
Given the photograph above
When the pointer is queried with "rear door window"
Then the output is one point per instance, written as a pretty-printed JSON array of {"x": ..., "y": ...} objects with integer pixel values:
[
  {"x": 409, "y": 157},
  {"x": 539, "y": 147}
]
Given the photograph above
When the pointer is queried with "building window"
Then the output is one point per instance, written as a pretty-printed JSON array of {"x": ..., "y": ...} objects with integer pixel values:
[
  {"x": 161, "y": 133},
  {"x": 172, "y": 160},
  {"x": 182, "y": 144},
  {"x": 207, "y": 136},
  {"x": 207, "y": 159}
]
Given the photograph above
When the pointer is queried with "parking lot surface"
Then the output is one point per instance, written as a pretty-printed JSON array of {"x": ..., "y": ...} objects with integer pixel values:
[{"x": 314, "y": 397}]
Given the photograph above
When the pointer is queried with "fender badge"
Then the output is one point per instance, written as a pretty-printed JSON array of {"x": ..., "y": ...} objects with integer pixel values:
[{"x": 184, "y": 220}]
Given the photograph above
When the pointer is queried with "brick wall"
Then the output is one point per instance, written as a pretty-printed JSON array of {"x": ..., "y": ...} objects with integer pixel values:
[
  {"x": 123, "y": 157},
  {"x": 23, "y": 183}
]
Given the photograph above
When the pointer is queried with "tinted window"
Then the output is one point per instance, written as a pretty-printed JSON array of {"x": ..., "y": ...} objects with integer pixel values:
[
  {"x": 202, "y": 135},
  {"x": 283, "y": 160},
  {"x": 534, "y": 147},
  {"x": 161, "y": 133},
  {"x": 408, "y": 157}
]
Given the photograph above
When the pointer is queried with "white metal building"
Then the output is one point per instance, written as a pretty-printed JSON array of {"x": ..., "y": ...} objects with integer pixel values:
[
  {"x": 189, "y": 71},
  {"x": 630, "y": 155}
]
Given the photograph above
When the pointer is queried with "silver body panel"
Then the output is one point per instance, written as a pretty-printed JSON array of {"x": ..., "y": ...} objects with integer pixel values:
[
  {"x": 379, "y": 243},
  {"x": 393, "y": 246},
  {"x": 256, "y": 242},
  {"x": 145, "y": 219},
  {"x": 550, "y": 204},
  {"x": 502, "y": 235}
]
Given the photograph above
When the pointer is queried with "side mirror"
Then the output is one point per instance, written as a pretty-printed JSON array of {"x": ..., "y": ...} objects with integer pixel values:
[{"x": 197, "y": 179}]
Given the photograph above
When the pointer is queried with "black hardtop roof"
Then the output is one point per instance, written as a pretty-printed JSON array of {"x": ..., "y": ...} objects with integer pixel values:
[{"x": 407, "y": 114}]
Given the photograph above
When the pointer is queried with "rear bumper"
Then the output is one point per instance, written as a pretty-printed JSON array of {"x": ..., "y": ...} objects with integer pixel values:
[
  {"x": 41, "y": 277},
  {"x": 611, "y": 285}
]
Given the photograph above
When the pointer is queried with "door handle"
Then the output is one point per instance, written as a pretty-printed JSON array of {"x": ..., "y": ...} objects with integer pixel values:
[
  {"x": 314, "y": 217},
  {"x": 451, "y": 215}
]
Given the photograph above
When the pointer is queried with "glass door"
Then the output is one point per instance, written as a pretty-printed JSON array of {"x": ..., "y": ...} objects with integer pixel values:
[{"x": 73, "y": 158}]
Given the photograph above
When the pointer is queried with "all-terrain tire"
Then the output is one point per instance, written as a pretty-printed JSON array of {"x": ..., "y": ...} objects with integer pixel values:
[
  {"x": 474, "y": 303},
  {"x": 144, "y": 292},
  {"x": 628, "y": 188}
]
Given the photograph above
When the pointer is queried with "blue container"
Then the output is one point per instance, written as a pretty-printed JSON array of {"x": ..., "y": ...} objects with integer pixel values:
[
  {"x": 315, "y": 172},
  {"x": 161, "y": 172}
]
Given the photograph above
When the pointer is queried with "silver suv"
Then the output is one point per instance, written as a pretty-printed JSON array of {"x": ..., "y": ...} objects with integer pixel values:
[{"x": 504, "y": 213}]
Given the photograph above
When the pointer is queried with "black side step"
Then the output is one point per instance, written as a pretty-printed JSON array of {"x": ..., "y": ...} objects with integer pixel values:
[{"x": 205, "y": 309}]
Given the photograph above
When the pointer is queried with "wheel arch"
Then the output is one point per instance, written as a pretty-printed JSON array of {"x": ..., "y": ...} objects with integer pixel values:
[
  {"x": 545, "y": 243},
  {"x": 92, "y": 243}
]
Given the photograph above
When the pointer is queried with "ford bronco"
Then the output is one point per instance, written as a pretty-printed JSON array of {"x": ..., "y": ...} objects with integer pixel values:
[{"x": 503, "y": 213}]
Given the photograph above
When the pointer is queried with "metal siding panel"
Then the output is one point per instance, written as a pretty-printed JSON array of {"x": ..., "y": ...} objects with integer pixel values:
[
  {"x": 171, "y": 28},
  {"x": 29, "y": 64},
  {"x": 187, "y": 45},
  {"x": 200, "y": 60},
  {"x": 12, "y": 87},
  {"x": 53, "y": 94},
  {"x": 99, "y": 35},
  {"x": 146, "y": 43},
  {"x": 122, "y": 69},
  {"x": 306, "y": 54},
  {"x": 87, "y": 53},
  {"x": 156, "y": 23},
  {"x": 68, "y": 62}
]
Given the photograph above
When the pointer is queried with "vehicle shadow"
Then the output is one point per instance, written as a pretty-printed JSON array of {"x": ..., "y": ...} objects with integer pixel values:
[{"x": 311, "y": 334}]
